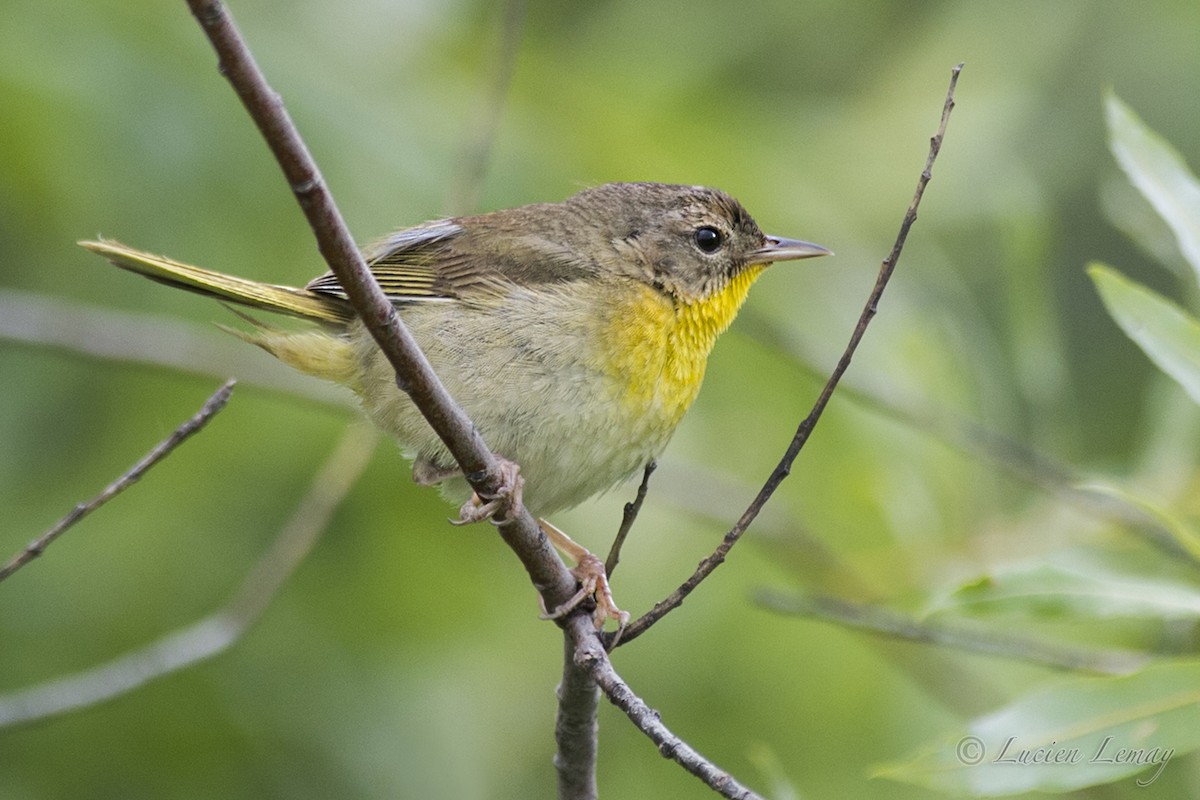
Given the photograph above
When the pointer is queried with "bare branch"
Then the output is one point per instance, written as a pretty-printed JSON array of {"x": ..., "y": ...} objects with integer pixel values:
[
  {"x": 888, "y": 622},
  {"x": 216, "y": 632},
  {"x": 414, "y": 374},
  {"x": 628, "y": 517},
  {"x": 576, "y": 731},
  {"x": 706, "y": 567},
  {"x": 129, "y": 337},
  {"x": 211, "y": 408},
  {"x": 977, "y": 440},
  {"x": 590, "y": 656}
]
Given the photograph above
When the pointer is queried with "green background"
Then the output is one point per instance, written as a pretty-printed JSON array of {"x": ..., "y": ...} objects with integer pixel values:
[{"x": 405, "y": 657}]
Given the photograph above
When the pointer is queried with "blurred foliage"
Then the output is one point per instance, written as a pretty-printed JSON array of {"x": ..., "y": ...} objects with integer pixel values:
[
  {"x": 405, "y": 658},
  {"x": 1168, "y": 334}
]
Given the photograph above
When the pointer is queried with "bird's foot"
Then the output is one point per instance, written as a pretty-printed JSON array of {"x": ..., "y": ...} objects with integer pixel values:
[
  {"x": 593, "y": 581},
  {"x": 478, "y": 509}
]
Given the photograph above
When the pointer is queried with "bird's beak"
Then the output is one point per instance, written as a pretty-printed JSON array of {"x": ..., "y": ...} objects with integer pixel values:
[{"x": 778, "y": 248}]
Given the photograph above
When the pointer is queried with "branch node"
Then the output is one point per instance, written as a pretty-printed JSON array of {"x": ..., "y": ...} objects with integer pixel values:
[
  {"x": 209, "y": 14},
  {"x": 312, "y": 184}
]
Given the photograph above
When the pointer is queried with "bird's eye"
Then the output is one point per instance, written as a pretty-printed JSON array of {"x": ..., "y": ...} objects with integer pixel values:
[{"x": 707, "y": 239}]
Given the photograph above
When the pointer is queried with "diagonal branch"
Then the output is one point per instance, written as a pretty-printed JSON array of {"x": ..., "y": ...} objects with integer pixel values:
[
  {"x": 414, "y": 374},
  {"x": 974, "y": 439},
  {"x": 215, "y": 633},
  {"x": 706, "y": 567},
  {"x": 211, "y": 408}
]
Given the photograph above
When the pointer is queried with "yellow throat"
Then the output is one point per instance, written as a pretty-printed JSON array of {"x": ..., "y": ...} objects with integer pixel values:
[{"x": 659, "y": 348}]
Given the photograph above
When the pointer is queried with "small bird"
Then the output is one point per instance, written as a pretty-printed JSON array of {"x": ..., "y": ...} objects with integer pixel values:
[{"x": 574, "y": 334}]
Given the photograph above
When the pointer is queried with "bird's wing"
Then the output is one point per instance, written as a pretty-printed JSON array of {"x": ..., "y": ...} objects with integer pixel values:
[{"x": 441, "y": 261}]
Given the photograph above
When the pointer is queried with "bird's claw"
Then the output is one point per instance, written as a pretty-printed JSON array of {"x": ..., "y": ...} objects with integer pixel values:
[
  {"x": 507, "y": 495},
  {"x": 593, "y": 581}
]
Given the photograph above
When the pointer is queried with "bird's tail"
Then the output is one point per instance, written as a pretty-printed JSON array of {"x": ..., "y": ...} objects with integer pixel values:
[{"x": 295, "y": 302}]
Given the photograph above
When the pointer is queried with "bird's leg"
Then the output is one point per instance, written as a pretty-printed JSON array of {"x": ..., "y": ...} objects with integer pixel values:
[
  {"x": 478, "y": 509},
  {"x": 589, "y": 571}
]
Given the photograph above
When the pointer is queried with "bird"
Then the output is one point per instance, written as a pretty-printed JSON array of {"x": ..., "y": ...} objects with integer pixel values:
[{"x": 574, "y": 334}]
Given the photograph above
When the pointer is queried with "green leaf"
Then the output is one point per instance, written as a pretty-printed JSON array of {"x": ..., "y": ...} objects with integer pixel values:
[
  {"x": 1079, "y": 588},
  {"x": 1159, "y": 173},
  {"x": 1075, "y": 733},
  {"x": 1164, "y": 331},
  {"x": 1121, "y": 581}
]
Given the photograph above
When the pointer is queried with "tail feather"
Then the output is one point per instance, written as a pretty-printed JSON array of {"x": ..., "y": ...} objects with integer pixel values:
[{"x": 295, "y": 302}]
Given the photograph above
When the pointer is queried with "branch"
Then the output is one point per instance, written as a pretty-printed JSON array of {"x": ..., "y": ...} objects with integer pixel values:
[
  {"x": 590, "y": 657},
  {"x": 35, "y": 319},
  {"x": 977, "y": 440},
  {"x": 887, "y": 622},
  {"x": 576, "y": 731},
  {"x": 414, "y": 374},
  {"x": 628, "y": 517},
  {"x": 215, "y": 633},
  {"x": 211, "y": 408},
  {"x": 706, "y": 567}
]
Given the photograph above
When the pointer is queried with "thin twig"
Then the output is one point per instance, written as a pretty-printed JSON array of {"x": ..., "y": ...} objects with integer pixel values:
[
  {"x": 211, "y": 408},
  {"x": 888, "y": 622},
  {"x": 414, "y": 374},
  {"x": 977, "y": 440},
  {"x": 706, "y": 567},
  {"x": 590, "y": 656},
  {"x": 628, "y": 517},
  {"x": 215, "y": 633}
]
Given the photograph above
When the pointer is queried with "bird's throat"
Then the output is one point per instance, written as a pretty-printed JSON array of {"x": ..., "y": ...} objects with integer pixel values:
[{"x": 662, "y": 347}]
